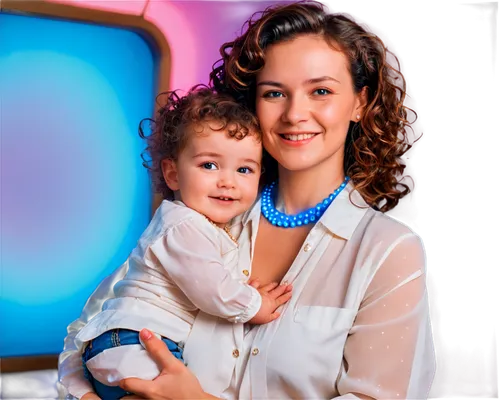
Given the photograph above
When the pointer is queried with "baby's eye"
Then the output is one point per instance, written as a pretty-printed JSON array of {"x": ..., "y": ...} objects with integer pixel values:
[
  {"x": 244, "y": 170},
  {"x": 209, "y": 165}
]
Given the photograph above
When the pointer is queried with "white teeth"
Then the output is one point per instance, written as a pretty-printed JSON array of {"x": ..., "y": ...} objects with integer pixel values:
[
  {"x": 302, "y": 136},
  {"x": 224, "y": 198}
]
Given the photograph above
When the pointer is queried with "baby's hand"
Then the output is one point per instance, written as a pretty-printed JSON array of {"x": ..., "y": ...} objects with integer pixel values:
[{"x": 273, "y": 296}]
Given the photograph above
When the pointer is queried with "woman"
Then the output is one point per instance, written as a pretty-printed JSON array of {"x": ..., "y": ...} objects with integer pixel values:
[{"x": 357, "y": 325}]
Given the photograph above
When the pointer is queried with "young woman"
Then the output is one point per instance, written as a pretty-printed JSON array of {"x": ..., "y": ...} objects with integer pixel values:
[{"x": 331, "y": 111}]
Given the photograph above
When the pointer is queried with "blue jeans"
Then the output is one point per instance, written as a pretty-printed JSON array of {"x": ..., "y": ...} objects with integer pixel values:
[{"x": 115, "y": 338}]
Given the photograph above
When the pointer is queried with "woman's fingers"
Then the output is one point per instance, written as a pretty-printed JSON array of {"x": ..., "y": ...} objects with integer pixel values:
[
  {"x": 143, "y": 389},
  {"x": 175, "y": 380},
  {"x": 90, "y": 396},
  {"x": 159, "y": 351},
  {"x": 131, "y": 396}
]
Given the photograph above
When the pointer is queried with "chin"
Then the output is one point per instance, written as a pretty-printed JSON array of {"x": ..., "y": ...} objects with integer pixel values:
[
  {"x": 297, "y": 165},
  {"x": 220, "y": 218}
]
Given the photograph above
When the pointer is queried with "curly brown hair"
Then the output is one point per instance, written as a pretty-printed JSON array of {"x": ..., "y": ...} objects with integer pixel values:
[
  {"x": 374, "y": 145},
  {"x": 180, "y": 116}
]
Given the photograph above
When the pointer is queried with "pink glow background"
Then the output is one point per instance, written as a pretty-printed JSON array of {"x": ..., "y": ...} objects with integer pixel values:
[{"x": 194, "y": 29}]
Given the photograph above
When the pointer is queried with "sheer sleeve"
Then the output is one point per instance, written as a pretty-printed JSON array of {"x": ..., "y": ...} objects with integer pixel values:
[
  {"x": 192, "y": 258},
  {"x": 70, "y": 367},
  {"x": 389, "y": 352}
]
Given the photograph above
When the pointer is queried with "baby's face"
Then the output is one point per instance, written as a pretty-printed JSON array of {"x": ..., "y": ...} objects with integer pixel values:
[{"x": 218, "y": 175}]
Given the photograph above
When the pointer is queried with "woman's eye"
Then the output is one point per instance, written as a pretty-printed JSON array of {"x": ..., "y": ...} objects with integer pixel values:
[
  {"x": 244, "y": 170},
  {"x": 209, "y": 165},
  {"x": 273, "y": 94},
  {"x": 322, "y": 92}
]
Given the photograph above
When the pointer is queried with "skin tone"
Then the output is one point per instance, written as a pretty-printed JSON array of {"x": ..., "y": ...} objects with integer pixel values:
[
  {"x": 305, "y": 101},
  {"x": 215, "y": 174}
]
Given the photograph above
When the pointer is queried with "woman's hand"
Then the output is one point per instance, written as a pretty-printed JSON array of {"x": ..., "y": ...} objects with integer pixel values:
[
  {"x": 90, "y": 396},
  {"x": 175, "y": 381}
]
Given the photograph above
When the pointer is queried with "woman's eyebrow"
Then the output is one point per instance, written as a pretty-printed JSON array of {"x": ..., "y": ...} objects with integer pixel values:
[
  {"x": 321, "y": 79},
  {"x": 306, "y": 82},
  {"x": 270, "y": 83}
]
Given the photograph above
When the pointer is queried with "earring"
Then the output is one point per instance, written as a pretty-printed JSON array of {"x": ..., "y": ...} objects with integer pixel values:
[{"x": 357, "y": 116}]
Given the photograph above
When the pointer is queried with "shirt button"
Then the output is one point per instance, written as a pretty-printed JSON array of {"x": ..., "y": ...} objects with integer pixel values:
[
  {"x": 245, "y": 272},
  {"x": 236, "y": 353},
  {"x": 255, "y": 351},
  {"x": 307, "y": 247}
]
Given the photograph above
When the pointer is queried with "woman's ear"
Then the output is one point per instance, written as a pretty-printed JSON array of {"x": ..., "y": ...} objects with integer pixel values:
[
  {"x": 169, "y": 169},
  {"x": 359, "y": 108}
]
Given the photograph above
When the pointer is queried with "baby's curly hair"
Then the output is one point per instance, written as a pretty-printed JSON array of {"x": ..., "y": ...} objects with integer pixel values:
[
  {"x": 180, "y": 116},
  {"x": 375, "y": 145}
]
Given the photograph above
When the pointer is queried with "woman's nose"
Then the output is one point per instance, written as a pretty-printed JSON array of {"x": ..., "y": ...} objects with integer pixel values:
[{"x": 296, "y": 110}]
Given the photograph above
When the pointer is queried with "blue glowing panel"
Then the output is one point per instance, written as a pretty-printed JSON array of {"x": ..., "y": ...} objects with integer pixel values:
[{"x": 74, "y": 194}]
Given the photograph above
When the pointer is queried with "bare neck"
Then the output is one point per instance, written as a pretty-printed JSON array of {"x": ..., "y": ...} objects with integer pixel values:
[{"x": 299, "y": 191}]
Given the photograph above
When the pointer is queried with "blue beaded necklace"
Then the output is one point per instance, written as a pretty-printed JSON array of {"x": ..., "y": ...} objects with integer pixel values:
[{"x": 309, "y": 216}]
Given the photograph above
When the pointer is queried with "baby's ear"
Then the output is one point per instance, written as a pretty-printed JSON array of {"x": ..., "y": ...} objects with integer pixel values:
[{"x": 169, "y": 169}]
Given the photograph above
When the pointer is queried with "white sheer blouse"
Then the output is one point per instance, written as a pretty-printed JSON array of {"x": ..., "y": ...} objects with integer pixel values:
[{"x": 357, "y": 325}]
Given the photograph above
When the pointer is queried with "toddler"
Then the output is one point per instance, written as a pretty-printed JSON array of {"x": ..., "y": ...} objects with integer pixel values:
[{"x": 205, "y": 158}]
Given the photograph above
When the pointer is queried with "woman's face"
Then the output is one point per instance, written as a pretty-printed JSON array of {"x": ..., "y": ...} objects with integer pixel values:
[{"x": 305, "y": 100}]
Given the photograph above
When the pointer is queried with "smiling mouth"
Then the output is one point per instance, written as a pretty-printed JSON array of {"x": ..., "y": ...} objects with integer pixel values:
[
  {"x": 226, "y": 199},
  {"x": 299, "y": 137}
]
